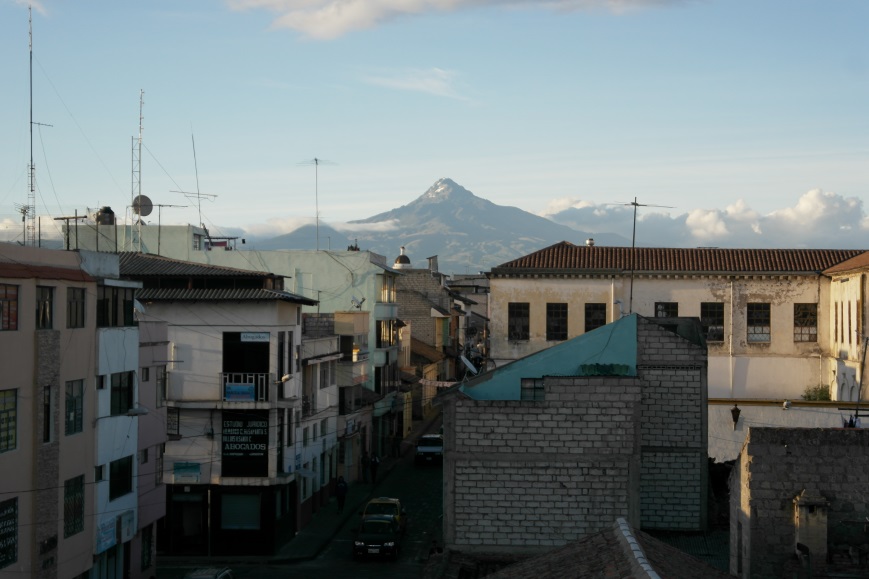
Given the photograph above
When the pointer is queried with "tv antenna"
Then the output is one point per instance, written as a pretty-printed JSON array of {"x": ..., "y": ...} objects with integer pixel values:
[
  {"x": 136, "y": 187},
  {"x": 30, "y": 222},
  {"x": 316, "y": 163},
  {"x": 197, "y": 195},
  {"x": 634, "y": 204}
]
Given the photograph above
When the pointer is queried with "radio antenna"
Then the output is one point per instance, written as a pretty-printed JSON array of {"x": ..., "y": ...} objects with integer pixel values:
[
  {"x": 634, "y": 204},
  {"x": 316, "y": 163}
]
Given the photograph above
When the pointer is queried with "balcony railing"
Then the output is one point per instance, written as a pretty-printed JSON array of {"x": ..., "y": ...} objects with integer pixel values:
[{"x": 245, "y": 386}]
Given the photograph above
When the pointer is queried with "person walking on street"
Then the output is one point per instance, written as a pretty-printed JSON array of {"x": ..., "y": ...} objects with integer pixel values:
[
  {"x": 341, "y": 493},
  {"x": 366, "y": 463},
  {"x": 375, "y": 462}
]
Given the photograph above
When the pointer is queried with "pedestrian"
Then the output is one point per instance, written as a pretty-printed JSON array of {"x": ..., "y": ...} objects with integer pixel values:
[
  {"x": 341, "y": 493},
  {"x": 375, "y": 462},
  {"x": 366, "y": 463}
]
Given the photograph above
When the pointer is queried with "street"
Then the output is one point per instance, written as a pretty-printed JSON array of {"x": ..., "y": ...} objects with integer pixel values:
[{"x": 420, "y": 489}]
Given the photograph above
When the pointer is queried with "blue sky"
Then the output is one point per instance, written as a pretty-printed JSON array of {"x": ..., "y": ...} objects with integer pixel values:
[{"x": 720, "y": 109}]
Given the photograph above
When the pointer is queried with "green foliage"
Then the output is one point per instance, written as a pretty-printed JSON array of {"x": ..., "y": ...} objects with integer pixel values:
[{"x": 820, "y": 392}]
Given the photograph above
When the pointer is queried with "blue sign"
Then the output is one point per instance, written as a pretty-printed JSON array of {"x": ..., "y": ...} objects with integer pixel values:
[{"x": 239, "y": 392}]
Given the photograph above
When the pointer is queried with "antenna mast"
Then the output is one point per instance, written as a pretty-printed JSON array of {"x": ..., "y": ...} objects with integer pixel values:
[
  {"x": 136, "y": 187},
  {"x": 30, "y": 230}
]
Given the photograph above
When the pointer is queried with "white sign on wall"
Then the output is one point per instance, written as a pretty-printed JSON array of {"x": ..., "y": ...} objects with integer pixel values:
[{"x": 254, "y": 336}]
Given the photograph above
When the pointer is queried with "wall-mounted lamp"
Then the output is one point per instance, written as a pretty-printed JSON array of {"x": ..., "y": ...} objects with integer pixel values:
[{"x": 734, "y": 413}]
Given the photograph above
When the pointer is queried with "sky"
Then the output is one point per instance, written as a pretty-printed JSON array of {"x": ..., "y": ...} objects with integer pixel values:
[{"x": 721, "y": 116}]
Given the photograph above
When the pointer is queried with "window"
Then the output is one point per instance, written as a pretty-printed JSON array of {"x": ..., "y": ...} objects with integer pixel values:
[
  {"x": 143, "y": 456},
  {"x": 532, "y": 389},
  {"x": 114, "y": 306},
  {"x": 44, "y": 307},
  {"x": 324, "y": 427},
  {"x": 8, "y": 307},
  {"x": 160, "y": 375},
  {"x": 387, "y": 289},
  {"x": 9, "y": 524},
  {"x": 666, "y": 309},
  {"x": 282, "y": 354},
  {"x": 159, "y": 451},
  {"x": 47, "y": 414},
  {"x": 595, "y": 316},
  {"x": 305, "y": 436},
  {"x": 99, "y": 473},
  {"x": 73, "y": 506},
  {"x": 758, "y": 323},
  {"x": 197, "y": 242},
  {"x": 290, "y": 430},
  {"x": 517, "y": 321},
  {"x": 122, "y": 393},
  {"x": 75, "y": 307},
  {"x": 324, "y": 374},
  {"x": 120, "y": 477},
  {"x": 144, "y": 374},
  {"x": 74, "y": 406},
  {"x": 556, "y": 322},
  {"x": 316, "y": 431},
  {"x": 385, "y": 333},
  {"x": 8, "y": 420},
  {"x": 805, "y": 322},
  {"x": 712, "y": 321},
  {"x": 173, "y": 423},
  {"x": 147, "y": 546}
]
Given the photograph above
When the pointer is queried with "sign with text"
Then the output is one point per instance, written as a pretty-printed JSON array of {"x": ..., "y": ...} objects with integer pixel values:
[
  {"x": 245, "y": 443},
  {"x": 254, "y": 336},
  {"x": 239, "y": 392}
]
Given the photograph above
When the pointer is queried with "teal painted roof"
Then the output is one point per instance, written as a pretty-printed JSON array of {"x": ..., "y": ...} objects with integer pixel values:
[{"x": 610, "y": 350}]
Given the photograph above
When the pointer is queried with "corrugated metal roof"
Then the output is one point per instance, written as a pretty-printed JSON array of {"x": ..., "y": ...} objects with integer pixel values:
[
  {"x": 196, "y": 295},
  {"x": 566, "y": 256},
  {"x": 134, "y": 264}
]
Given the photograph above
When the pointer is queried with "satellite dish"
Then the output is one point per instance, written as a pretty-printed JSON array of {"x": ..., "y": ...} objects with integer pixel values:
[
  {"x": 142, "y": 205},
  {"x": 471, "y": 368}
]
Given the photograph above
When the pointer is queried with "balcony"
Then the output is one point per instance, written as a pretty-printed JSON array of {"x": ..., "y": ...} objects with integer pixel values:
[
  {"x": 245, "y": 386},
  {"x": 352, "y": 370}
]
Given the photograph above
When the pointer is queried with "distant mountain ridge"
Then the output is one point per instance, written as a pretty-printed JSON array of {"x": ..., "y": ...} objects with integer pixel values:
[{"x": 466, "y": 232}]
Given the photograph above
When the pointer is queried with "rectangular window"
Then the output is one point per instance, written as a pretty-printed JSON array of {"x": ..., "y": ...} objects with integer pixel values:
[
  {"x": 120, "y": 477},
  {"x": 556, "y": 322},
  {"x": 114, "y": 306},
  {"x": 44, "y": 307},
  {"x": 160, "y": 450},
  {"x": 290, "y": 430},
  {"x": 518, "y": 325},
  {"x": 387, "y": 289},
  {"x": 173, "y": 422},
  {"x": 143, "y": 456},
  {"x": 712, "y": 320},
  {"x": 75, "y": 307},
  {"x": 324, "y": 374},
  {"x": 147, "y": 547},
  {"x": 144, "y": 374},
  {"x": 282, "y": 354},
  {"x": 8, "y": 420},
  {"x": 9, "y": 533},
  {"x": 595, "y": 316},
  {"x": 73, "y": 506},
  {"x": 197, "y": 242},
  {"x": 758, "y": 323},
  {"x": 385, "y": 333},
  {"x": 805, "y": 322},
  {"x": 8, "y": 307},
  {"x": 74, "y": 406},
  {"x": 305, "y": 436},
  {"x": 122, "y": 393},
  {"x": 160, "y": 375},
  {"x": 47, "y": 414},
  {"x": 666, "y": 309}
]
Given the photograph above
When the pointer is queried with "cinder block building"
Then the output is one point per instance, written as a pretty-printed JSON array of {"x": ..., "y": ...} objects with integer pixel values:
[
  {"x": 557, "y": 445},
  {"x": 799, "y": 502}
]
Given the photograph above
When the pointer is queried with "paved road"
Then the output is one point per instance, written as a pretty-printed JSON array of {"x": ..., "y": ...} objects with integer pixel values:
[{"x": 421, "y": 492}]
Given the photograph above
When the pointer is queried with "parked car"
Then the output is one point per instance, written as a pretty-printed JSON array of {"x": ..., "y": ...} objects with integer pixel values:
[
  {"x": 429, "y": 449},
  {"x": 378, "y": 536},
  {"x": 386, "y": 506},
  {"x": 210, "y": 573}
]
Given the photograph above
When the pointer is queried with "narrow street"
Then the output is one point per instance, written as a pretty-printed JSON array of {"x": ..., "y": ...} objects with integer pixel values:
[{"x": 420, "y": 489}]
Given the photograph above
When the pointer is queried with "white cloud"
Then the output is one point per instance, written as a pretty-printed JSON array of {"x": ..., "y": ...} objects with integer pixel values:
[
  {"x": 435, "y": 81},
  {"x": 390, "y": 225},
  {"x": 276, "y": 226},
  {"x": 327, "y": 19},
  {"x": 562, "y": 203}
]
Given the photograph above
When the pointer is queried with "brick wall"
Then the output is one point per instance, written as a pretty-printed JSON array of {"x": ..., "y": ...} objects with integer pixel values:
[
  {"x": 523, "y": 476},
  {"x": 417, "y": 290},
  {"x": 775, "y": 465}
]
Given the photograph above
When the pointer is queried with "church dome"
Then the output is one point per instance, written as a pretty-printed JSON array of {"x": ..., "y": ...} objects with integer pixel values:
[{"x": 402, "y": 261}]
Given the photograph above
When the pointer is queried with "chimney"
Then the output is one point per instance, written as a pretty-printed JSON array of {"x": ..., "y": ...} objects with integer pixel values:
[
  {"x": 433, "y": 263},
  {"x": 810, "y": 526}
]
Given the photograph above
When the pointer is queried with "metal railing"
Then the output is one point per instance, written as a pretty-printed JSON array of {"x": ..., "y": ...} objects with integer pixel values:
[{"x": 245, "y": 386}]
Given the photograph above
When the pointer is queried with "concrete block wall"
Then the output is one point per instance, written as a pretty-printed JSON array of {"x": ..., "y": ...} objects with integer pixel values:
[
  {"x": 417, "y": 291},
  {"x": 532, "y": 475},
  {"x": 777, "y": 464},
  {"x": 672, "y": 490}
]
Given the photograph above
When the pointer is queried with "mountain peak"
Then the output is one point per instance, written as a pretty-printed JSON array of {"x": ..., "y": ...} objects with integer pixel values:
[{"x": 444, "y": 189}]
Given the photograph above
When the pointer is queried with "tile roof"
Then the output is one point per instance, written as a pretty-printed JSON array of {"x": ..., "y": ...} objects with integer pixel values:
[
  {"x": 145, "y": 264},
  {"x": 566, "y": 256},
  {"x": 859, "y": 262},
  {"x": 200, "y": 295},
  {"x": 619, "y": 551}
]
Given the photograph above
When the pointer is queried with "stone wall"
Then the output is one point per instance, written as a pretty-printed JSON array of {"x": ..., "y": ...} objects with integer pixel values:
[{"x": 776, "y": 465}]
